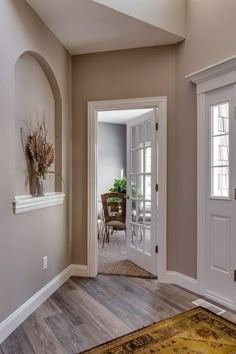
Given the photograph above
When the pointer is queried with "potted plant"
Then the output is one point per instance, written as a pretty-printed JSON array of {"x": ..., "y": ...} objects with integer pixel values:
[{"x": 119, "y": 186}]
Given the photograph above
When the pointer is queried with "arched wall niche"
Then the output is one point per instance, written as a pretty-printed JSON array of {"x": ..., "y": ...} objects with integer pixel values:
[{"x": 37, "y": 95}]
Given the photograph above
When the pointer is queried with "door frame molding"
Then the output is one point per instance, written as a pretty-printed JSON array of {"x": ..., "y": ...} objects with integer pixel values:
[
  {"x": 212, "y": 77},
  {"x": 94, "y": 107}
]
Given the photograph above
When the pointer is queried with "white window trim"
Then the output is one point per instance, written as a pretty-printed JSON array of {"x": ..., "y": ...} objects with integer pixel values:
[
  {"x": 26, "y": 203},
  {"x": 93, "y": 108},
  {"x": 215, "y": 76}
]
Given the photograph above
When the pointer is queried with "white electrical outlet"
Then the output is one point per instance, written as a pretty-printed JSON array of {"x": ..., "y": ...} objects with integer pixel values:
[{"x": 45, "y": 262}]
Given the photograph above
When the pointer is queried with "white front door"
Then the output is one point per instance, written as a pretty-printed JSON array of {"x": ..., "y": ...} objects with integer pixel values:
[
  {"x": 220, "y": 228},
  {"x": 142, "y": 185}
]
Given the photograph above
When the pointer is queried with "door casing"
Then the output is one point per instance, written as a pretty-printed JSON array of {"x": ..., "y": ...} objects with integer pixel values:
[{"x": 93, "y": 108}]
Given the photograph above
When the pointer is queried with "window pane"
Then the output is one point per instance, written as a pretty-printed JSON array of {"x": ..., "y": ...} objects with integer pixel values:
[
  {"x": 148, "y": 133},
  {"x": 140, "y": 161},
  {"x": 220, "y": 181},
  {"x": 220, "y": 150},
  {"x": 140, "y": 211},
  {"x": 148, "y": 164},
  {"x": 147, "y": 241},
  {"x": 133, "y": 212},
  {"x": 133, "y": 186},
  {"x": 137, "y": 161},
  {"x": 137, "y": 236},
  {"x": 220, "y": 119},
  {"x": 140, "y": 135},
  {"x": 147, "y": 218},
  {"x": 148, "y": 188},
  {"x": 139, "y": 191},
  {"x": 134, "y": 140}
]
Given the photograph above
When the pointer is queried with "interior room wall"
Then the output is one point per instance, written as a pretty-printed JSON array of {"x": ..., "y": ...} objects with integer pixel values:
[
  {"x": 153, "y": 72},
  {"x": 27, "y": 237},
  {"x": 111, "y": 156},
  {"x": 33, "y": 104},
  {"x": 133, "y": 73},
  {"x": 211, "y": 29}
]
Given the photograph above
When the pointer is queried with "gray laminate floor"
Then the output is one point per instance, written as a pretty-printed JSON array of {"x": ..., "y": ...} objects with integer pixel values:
[{"x": 86, "y": 312}]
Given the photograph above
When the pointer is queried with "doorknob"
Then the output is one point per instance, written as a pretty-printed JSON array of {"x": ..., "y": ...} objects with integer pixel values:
[{"x": 127, "y": 197}]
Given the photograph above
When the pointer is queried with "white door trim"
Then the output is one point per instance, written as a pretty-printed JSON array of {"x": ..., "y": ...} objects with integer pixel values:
[
  {"x": 93, "y": 108},
  {"x": 208, "y": 79}
]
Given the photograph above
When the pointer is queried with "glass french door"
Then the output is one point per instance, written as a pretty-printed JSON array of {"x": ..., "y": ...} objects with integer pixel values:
[{"x": 142, "y": 192}]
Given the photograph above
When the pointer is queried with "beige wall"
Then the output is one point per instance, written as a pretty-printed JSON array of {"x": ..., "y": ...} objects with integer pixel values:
[
  {"x": 153, "y": 71},
  {"x": 26, "y": 238},
  {"x": 115, "y": 75},
  {"x": 211, "y": 32}
]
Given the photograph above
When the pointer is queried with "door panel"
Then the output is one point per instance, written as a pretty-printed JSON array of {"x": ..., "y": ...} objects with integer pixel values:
[
  {"x": 220, "y": 237},
  {"x": 141, "y": 182}
]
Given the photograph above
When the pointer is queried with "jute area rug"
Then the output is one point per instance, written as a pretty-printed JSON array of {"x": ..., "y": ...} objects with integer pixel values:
[
  {"x": 112, "y": 258},
  {"x": 197, "y": 331}
]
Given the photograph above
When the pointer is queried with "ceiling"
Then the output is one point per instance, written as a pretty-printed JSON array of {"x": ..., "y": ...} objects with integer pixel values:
[
  {"x": 85, "y": 26},
  {"x": 121, "y": 116}
]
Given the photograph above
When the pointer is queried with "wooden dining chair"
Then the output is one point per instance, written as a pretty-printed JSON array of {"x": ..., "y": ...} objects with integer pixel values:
[{"x": 114, "y": 210}]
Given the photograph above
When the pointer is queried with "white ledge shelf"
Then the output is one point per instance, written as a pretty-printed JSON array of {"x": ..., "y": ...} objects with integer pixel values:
[{"x": 25, "y": 203}]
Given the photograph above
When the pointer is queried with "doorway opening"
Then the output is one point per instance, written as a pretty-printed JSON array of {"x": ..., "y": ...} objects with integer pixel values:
[
  {"x": 127, "y": 153},
  {"x": 120, "y": 166}
]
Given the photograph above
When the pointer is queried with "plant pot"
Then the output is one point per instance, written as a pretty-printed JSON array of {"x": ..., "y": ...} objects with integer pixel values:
[{"x": 40, "y": 187}]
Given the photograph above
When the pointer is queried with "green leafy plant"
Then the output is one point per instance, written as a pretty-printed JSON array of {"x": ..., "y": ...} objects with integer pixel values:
[{"x": 119, "y": 186}]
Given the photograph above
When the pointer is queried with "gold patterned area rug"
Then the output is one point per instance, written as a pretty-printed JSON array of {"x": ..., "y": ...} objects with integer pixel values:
[{"x": 197, "y": 331}]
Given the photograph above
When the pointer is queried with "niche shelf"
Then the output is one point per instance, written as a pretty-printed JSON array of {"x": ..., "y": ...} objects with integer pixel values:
[{"x": 25, "y": 203}]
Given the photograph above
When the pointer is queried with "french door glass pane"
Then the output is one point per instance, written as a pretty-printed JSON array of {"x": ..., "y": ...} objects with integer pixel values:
[
  {"x": 139, "y": 237},
  {"x": 133, "y": 211},
  {"x": 133, "y": 186},
  {"x": 147, "y": 214},
  {"x": 219, "y": 153},
  {"x": 133, "y": 137},
  {"x": 148, "y": 188},
  {"x": 137, "y": 161},
  {"x": 139, "y": 192},
  {"x": 140, "y": 135},
  {"x": 148, "y": 156},
  {"x": 147, "y": 240},
  {"x": 140, "y": 210},
  {"x": 148, "y": 133}
]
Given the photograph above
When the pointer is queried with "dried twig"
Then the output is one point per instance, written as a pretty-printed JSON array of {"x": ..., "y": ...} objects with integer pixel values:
[{"x": 39, "y": 151}]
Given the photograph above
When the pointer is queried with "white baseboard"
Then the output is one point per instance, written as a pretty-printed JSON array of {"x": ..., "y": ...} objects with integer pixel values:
[
  {"x": 182, "y": 280},
  {"x": 220, "y": 300},
  {"x": 17, "y": 317},
  {"x": 77, "y": 270}
]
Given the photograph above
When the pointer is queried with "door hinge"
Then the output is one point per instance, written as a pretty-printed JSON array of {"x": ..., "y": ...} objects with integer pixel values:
[
  {"x": 157, "y": 126},
  {"x": 234, "y": 275},
  {"x": 157, "y": 187},
  {"x": 156, "y": 249}
]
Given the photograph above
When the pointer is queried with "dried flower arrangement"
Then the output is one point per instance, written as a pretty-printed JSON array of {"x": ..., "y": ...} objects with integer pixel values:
[{"x": 41, "y": 155}]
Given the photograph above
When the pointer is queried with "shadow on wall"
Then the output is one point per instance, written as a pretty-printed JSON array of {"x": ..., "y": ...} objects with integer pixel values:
[{"x": 37, "y": 96}]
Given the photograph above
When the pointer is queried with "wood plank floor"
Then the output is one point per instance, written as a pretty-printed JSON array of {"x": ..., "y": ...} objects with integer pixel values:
[{"x": 87, "y": 312}]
